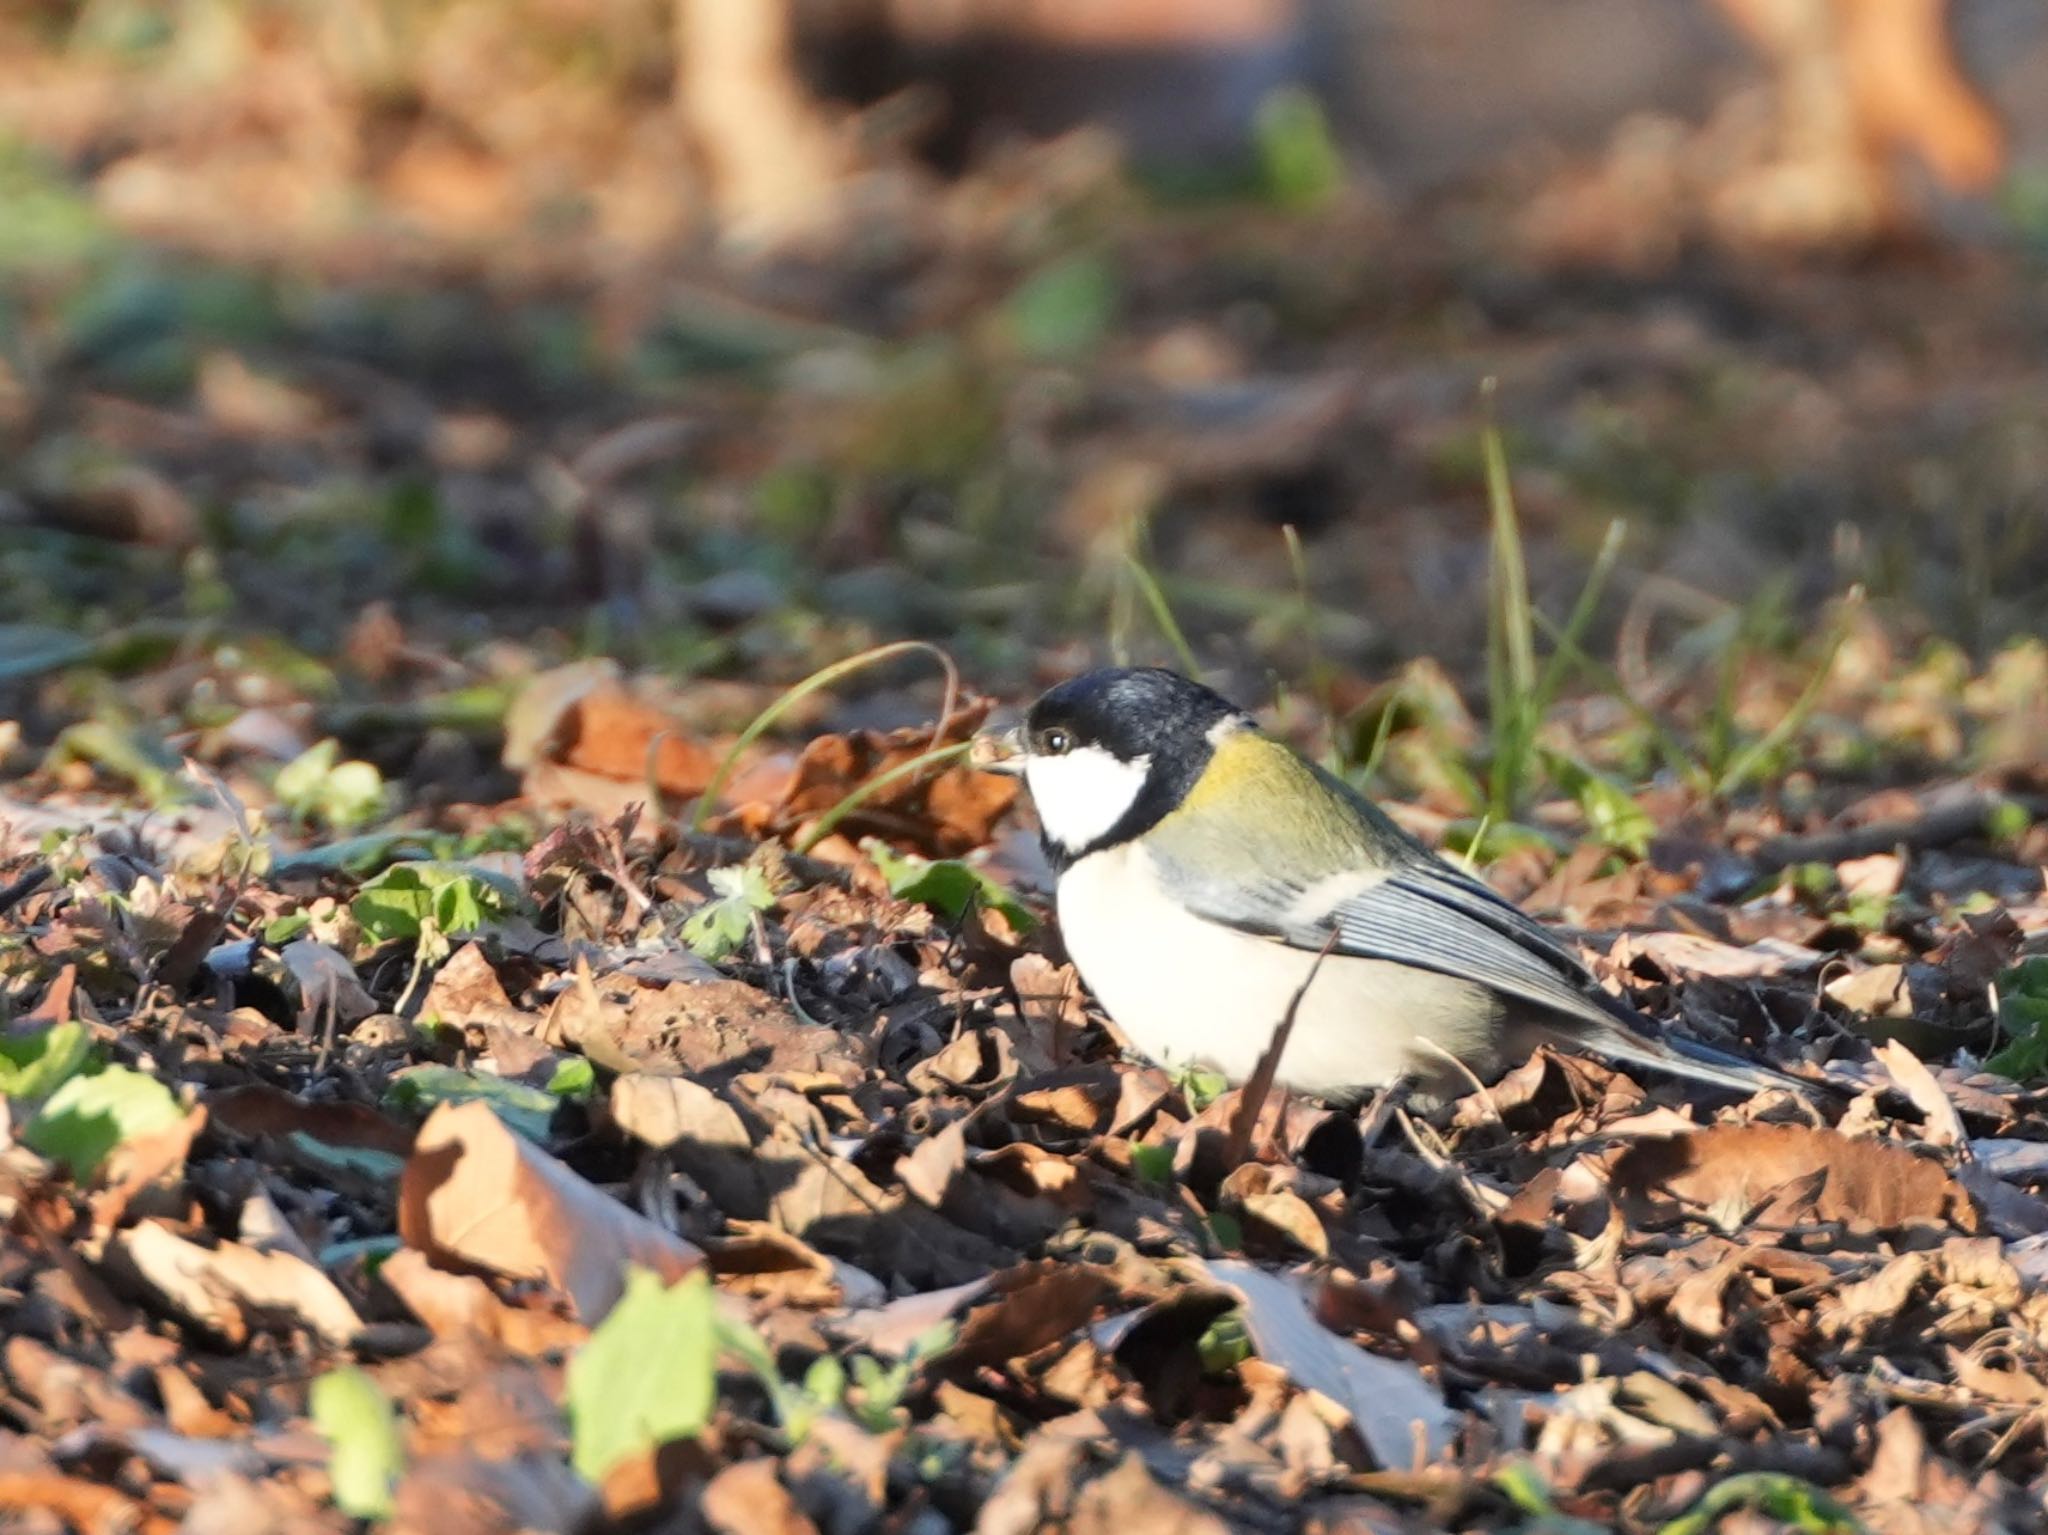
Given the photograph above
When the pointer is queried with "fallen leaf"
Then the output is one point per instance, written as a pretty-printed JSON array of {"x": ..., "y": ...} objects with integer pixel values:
[
  {"x": 1128, "y": 1499},
  {"x": 649, "y": 1373},
  {"x": 369, "y": 1456},
  {"x": 607, "y": 731},
  {"x": 1726, "y": 1173},
  {"x": 451, "y": 1305},
  {"x": 258, "y": 1111},
  {"x": 87, "y": 1117},
  {"x": 1400, "y": 1416},
  {"x": 327, "y": 982},
  {"x": 474, "y": 1192},
  {"x": 465, "y": 988},
  {"x": 747, "y": 1498},
  {"x": 1944, "y": 1124},
  {"x": 1032, "y": 1305},
  {"x": 231, "y": 1288},
  {"x": 1692, "y": 954}
]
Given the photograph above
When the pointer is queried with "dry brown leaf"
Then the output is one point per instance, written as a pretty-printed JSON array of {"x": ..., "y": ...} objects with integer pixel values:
[
  {"x": 1266, "y": 1198},
  {"x": 80, "y": 1504},
  {"x": 1678, "y": 953},
  {"x": 947, "y": 814},
  {"x": 1944, "y": 1124},
  {"x": 709, "y": 1030},
  {"x": 258, "y": 1110},
  {"x": 475, "y": 1193},
  {"x": 1128, "y": 1499},
  {"x": 1033, "y": 1305},
  {"x": 607, "y": 731},
  {"x": 1054, "y": 1012},
  {"x": 136, "y": 1165},
  {"x": 231, "y": 1289},
  {"x": 328, "y": 985},
  {"x": 1400, "y": 1416},
  {"x": 466, "y": 987},
  {"x": 451, "y": 1305},
  {"x": 1887, "y": 991},
  {"x": 756, "y": 1259},
  {"x": 747, "y": 1498},
  {"x": 1036, "y": 1492},
  {"x": 1077, "y": 1103},
  {"x": 1728, "y": 1172}
]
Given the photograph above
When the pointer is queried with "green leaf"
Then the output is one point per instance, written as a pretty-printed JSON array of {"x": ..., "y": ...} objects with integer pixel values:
[
  {"x": 87, "y": 1117},
  {"x": 364, "y": 1162},
  {"x": 33, "y": 1066},
  {"x": 720, "y": 925},
  {"x": 528, "y": 1110},
  {"x": 1063, "y": 310},
  {"x": 2023, "y": 1019},
  {"x": 946, "y": 885},
  {"x": 280, "y": 931},
  {"x": 1612, "y": 815},
  {"x": 1200, "y": 1085},
  {"x": 407, "y": 898},
  {"x": 825, "y": 1381},
  {"x": 1299, "y": 165},
  {"x": 648, "y": 1375},
  {"x": 1153, "y": 1163},
  {"x": 1800, "y": 1505},
  {"x": 367, "y": 1450},
  {"x": 125, "y": 750},
  {"x": 316, "y": 786},
  {"x": 1226, "y": 1231},
  {"x": 1225, "y": 1344},
  {"x": 575, "y": 1078}
]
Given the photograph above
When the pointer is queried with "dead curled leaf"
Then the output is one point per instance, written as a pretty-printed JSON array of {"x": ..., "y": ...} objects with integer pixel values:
[
  {"x": 231, "y": 1290},
  {"x": 1776, "y": 1176},
  {"x": 1031, "y": 1306},
  {"x": 947, "y": 813},
  {"x": 609, "y": 732},
  {"x": 474, "y": 1193},
  {"x": 452, "y": 1305},
  {"x": 1399, "y": 1415},
  {"x": 258, "y": 1110}
]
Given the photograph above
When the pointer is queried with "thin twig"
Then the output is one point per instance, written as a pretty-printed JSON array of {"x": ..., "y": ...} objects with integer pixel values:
[{"x": 1253, "y": 1098}]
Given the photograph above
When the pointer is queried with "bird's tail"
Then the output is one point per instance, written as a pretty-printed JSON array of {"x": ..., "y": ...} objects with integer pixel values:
[{"x": 1684, "y": 1058}]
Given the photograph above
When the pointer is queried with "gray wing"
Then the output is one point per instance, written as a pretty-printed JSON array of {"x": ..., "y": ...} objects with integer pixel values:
[
  {"x": 1431, "y": 916},
  {"x": 1428, "y": 915}
]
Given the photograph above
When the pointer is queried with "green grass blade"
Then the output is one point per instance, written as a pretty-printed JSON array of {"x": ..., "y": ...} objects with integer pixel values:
[
  {"x": 1162, "y": 614},
  {"x": 860, "y": 793},
  {"x": 1557, "y": 665},
  {"x": 1318, "y": 667},
  {"x": 1793, "y": 720},
  {"x": 1516, "y": 634},
  {"x": 1510, "y": 633}
]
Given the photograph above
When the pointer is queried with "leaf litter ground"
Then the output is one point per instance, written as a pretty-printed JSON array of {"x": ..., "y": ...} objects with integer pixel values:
[{"x": 673, "y": 1179}]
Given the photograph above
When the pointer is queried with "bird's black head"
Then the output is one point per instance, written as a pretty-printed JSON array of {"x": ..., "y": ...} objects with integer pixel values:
[{"x": 1109, "y": 753}]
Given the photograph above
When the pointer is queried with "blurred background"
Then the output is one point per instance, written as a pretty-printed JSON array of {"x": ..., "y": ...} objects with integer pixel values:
[{"x": 380, "y": 353}]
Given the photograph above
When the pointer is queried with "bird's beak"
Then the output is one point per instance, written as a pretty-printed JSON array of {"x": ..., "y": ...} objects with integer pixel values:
[{"x": 994, "y": 752}]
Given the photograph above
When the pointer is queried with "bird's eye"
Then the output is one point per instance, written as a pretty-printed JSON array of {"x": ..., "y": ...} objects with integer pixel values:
[{"x": 1057, "y": 741}]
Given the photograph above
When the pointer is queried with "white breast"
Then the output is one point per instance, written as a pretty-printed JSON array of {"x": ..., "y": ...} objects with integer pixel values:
[{"x": 1186, "y": 990}]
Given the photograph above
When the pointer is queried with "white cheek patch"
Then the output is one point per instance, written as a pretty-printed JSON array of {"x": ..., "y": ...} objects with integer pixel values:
[{"x": 1083, "y": 793}]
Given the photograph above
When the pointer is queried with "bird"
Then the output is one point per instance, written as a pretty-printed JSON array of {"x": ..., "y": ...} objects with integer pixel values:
[{"x": 1206, "y": 872}]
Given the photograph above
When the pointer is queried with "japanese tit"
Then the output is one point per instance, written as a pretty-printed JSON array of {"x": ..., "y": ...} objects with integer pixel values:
[{"x": 1206, "y": 870}]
